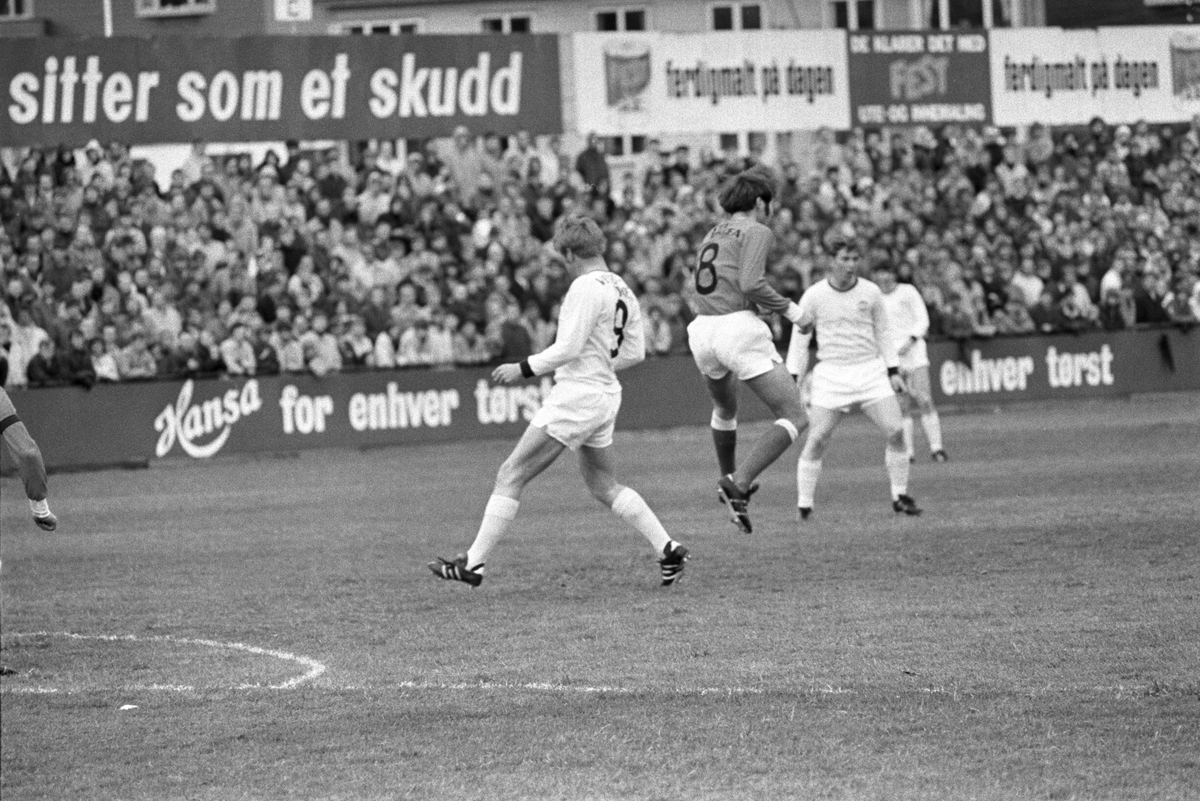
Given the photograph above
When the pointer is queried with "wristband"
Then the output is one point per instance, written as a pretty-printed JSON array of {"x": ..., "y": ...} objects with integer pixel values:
[
  {"x": 893, "y": 371},
  {"x": 526, "y": 370}
]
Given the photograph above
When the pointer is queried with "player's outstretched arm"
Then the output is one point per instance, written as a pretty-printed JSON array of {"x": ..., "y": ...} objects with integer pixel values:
[
  {"x": 576, "y": 318},
  {"x": 797, "y": 355}
]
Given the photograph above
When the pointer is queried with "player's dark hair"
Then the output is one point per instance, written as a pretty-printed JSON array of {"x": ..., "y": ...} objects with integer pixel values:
[
  {"x": 575, "y": 233},
  {"x": 836, "y": 243},
  {"x": 744, "y": 190}
]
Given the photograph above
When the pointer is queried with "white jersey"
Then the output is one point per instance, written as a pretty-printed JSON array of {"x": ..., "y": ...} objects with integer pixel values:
[
  {"x": 909, "y": 321},
  {"x": 851, "y": 325},
  {"x": 599, "y": 332}
]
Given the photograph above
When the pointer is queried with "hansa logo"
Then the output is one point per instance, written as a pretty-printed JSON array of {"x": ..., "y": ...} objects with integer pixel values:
[{"x": 188, "y": 423}]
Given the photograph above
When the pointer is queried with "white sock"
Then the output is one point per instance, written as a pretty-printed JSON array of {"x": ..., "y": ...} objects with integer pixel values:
[
  {"x": 630, "y": 507},
  {"x": 499, "y": 512},
  {"x": 897, "y": 468},
  {"x": 806, "y": 481},
  {"x": 40, "y": 508},
  {"x": 933, "y": 430},
  {"x": 907, "y": 424}
]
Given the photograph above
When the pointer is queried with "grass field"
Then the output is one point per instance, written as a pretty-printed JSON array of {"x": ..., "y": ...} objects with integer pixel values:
[{"x": 1035, "y": 635}]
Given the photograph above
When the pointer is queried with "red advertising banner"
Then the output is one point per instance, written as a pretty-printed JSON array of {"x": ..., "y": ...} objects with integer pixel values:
[
  {"x": 178, "y": 89},
  {"x": 137, "y": 423},
  {"x": 919, "y": 78}
]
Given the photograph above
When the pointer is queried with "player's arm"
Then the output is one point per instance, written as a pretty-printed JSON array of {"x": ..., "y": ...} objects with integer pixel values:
[
  {"x": 576, "y": 318},
  {"x": 631, "y": 349},
  {"x": 918, "y": 317},
  {"x": 886, "y": 343},
  {"x": 797, "y": 355},
  {"x": 752, "y": 275},
  {"x": 802, "y": 331}
]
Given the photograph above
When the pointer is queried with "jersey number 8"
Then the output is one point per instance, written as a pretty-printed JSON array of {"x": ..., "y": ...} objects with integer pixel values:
[{"x": 706, "y": 271}]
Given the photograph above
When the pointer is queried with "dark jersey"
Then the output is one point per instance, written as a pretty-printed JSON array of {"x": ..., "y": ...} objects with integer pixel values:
[{"x": 731, "y": 271}]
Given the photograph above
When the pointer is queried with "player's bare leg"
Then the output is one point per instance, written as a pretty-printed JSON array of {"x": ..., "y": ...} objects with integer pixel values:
[
  {"x": 627, "y": 504},
  {"x": 32, "y": 469},
  {"x": 822, "y": 423},
  {"x": 885, "y": 413},
  {"x": 724, "y": 421},
  {"x": 777, "y": 390},
  {"x": 922, "y": 399},
  {"x": 908, "y": 411},
  {"x": 535, "y": 451}
]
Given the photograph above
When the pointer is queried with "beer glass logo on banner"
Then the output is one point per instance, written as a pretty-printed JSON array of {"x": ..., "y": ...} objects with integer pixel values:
[
  {"x": 1185, "y": 65},
  {"x": 626, "y": 74}
]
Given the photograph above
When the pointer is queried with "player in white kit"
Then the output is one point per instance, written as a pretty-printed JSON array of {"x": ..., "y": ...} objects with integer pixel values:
[
  {"x": 909, "y": 322},
  {"x": 857, "y": 367},
  {"x": 599, "y": 333},
  {"x": 731, "y": 345}
]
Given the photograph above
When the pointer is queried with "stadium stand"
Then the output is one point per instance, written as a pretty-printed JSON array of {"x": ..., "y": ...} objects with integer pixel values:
[{"x": 308, "y": 262}]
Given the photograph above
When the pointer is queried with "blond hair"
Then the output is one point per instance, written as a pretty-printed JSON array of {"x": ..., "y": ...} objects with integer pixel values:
[{"x": 580, "y": 235}]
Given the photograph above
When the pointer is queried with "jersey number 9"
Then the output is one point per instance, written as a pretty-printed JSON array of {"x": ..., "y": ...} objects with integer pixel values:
[{"x": 620, "y": 317}]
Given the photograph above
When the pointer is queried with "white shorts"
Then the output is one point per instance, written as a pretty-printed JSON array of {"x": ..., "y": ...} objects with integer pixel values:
[
  {"x": 841, "y": 387},
  {"x": 916, "y": 356},
  {"x": 577, "y": 414},
  {"x": 739, "y": 343}
]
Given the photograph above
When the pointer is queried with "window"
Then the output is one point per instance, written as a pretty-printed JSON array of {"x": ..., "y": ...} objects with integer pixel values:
[
  {"x": 614, "y": 145},
  {"x": 627, "y": 19},
  {"x": 727, "y": 142},
  {"x": 972, "y": 14},
  {"x": 508, "y": 23},
  {"x": 382, "y": 27},
  {"x": 175, "y": 8},
  {"x": 740, "y": 17},
  {"x": 16, "y": 9},
  {"x": 866, "y": 15}
]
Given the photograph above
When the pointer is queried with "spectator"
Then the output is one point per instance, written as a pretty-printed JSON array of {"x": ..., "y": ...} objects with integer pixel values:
[
  {"x": 104, "y": 363},
  {"x": 593, "y": 167},
  {"x": 1149, "y": 299},
  {"x": 1117, "y": 309},
  {"x": 76, "y": 361},
  {"x": 135, "y": 361},
  {"x": 92, "y": 245},
  {"x": 357, "y": 348},
  {"x": 321, "y": 347},
  {"x": 470, "y": 346},
  {"x": 238, "y": 352},
  {"x": 45, "y": 368}
]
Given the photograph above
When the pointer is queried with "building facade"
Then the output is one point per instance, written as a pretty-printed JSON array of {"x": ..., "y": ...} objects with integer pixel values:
[{"x": 395, "y": 17}]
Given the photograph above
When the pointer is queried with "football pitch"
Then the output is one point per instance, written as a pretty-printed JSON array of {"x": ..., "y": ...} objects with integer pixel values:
[{"x": 267, "y": 628}]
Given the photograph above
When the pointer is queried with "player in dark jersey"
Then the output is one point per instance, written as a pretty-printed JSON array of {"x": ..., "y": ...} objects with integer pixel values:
[
  {"x": 28, "y": 456},
  {"x": 731, "y": 345}
]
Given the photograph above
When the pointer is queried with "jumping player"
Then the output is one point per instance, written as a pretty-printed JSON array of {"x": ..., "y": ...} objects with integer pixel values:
[
  {"x": 731, "y": 345},
  {"x": 599, "y": 333},
  {"x": 909, "y": 321},
  {"x": 857, "y": 366},
  {"x": 28, "y": 456}
]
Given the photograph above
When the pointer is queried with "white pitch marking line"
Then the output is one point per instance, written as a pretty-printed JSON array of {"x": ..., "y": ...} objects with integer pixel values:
[
  {"x": 548, "y": 687},
  {"x": 315, "y": 668}
]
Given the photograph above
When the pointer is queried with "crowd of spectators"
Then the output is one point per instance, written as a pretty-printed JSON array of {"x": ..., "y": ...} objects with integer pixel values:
[{"x": 316, "y": 262}]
